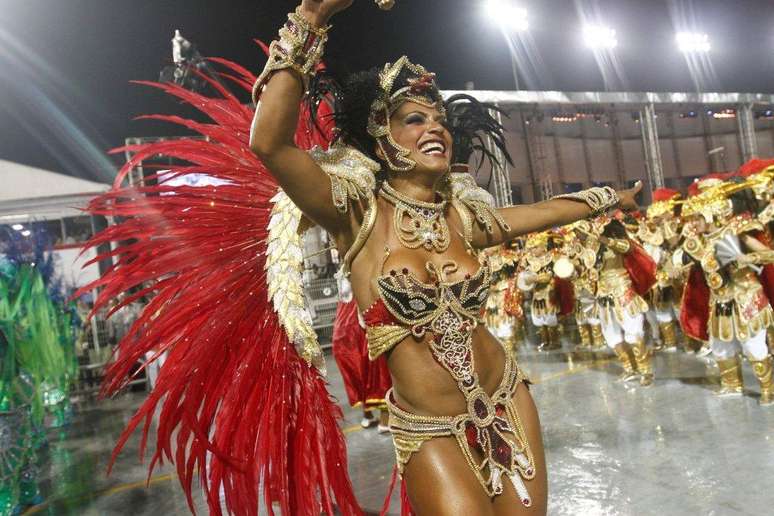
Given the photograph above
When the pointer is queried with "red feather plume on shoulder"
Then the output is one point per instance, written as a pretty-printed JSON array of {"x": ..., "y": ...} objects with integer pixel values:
[{"x": 236, "y": 403}]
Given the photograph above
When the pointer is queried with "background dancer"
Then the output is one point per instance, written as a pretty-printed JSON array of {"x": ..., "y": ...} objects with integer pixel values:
[
  {"x": 659, "y": 236},
  {"x": 724, "y": 301},
  {"x": 584, "y": 258},
  {"x": 626, "y": 274}
]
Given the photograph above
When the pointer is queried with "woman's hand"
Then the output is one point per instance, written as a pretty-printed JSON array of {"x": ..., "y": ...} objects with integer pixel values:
[
  {"x": 628, "y": 197},
  {"x": 319, "y": 12}
]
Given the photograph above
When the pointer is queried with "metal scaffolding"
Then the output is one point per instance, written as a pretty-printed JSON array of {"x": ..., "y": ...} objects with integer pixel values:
[
  {"x": 747, "y": 141},
  {"x": 501, "y": 180},
  {"x": 651, "y": 146},
  {"x": 697, "y": 137}
]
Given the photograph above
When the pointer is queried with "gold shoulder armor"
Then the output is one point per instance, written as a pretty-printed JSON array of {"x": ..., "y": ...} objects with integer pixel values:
[
  {"x": 464, "y": 191},
  {"x": 352, "y": 174},
  {"x": 744, "y": 224}
]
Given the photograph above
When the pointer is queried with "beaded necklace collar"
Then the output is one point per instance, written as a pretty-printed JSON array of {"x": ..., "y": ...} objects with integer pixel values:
[{"x": 418, "y": 223}]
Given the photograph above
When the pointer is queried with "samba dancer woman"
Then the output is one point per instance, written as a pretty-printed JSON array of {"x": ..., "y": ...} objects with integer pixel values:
[{"x": 465, "y": 427}]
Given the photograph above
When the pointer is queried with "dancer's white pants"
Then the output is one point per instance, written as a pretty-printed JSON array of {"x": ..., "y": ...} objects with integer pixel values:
[
  {"x": 629, "y": 330},
  {"x": 544, "y": 320},
  {"x": 754, "y": 348}
]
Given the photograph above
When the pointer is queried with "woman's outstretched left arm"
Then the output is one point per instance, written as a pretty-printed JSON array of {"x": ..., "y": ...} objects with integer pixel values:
[{"x": 527, "y": 218}]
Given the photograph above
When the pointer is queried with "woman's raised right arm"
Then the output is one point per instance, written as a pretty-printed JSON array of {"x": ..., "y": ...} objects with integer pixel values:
[{"x": 274, "y": 126}]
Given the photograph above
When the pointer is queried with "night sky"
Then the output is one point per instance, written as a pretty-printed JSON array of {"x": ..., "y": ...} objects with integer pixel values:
[{"x": 65, "y": 65}]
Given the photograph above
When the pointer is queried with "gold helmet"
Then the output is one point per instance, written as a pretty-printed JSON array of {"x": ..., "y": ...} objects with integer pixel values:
[
  {"x": 710, "y": 199},
  {"x": 664, "y": 201}
]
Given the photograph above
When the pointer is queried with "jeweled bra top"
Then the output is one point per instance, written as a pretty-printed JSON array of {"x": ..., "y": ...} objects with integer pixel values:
[{"x": 407, "y": 306}]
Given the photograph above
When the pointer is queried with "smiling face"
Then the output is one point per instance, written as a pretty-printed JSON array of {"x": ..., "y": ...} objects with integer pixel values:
[{"x": 421, "y": 130}]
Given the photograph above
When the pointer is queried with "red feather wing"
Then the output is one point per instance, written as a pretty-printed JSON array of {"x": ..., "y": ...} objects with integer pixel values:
[{"x": 236, "y": 403}]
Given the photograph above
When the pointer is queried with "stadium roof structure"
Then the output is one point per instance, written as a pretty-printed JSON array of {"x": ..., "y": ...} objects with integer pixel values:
[{"x": 29, "y": 193}]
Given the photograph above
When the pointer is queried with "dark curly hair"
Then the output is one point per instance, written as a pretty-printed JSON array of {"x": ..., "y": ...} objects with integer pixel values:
[{"x": 469, "y": 121}]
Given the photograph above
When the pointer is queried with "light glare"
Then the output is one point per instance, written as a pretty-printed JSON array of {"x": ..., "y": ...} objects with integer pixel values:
[
  {"x": 600, "y": 37},
  {"x": 17, "y": 227},
  {"x": 508, "y": 15},
  {"x": 693, "y": 42},
  {"x": 26, "y": 232}
]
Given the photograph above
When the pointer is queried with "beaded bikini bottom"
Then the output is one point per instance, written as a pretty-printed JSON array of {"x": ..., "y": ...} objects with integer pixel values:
[{"x": 491, "y": 429}]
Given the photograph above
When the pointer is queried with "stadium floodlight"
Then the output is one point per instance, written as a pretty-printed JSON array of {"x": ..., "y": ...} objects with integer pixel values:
[
  {"x": 17, "y": 227},
  {"x": 693, "y": 42},
  {"x": 507, "y": 14},
  {"x": 26, "y": 232},
  {"x": 600, "y": 37}
]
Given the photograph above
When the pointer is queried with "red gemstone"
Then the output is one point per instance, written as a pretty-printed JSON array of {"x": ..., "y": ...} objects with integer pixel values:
[
  {"x": 480, "y": 408},
  {"x": 502, "y": 450},
  {"x": 470, "y": 435}
]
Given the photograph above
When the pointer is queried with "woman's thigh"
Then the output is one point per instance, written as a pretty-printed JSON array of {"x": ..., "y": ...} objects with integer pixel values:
[
  {"x": 508, "y": 503},
  {"x": 440, "y": 482}
]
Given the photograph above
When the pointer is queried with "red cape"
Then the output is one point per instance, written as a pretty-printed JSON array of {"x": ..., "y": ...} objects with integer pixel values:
[
  {"x": 767, "y": 275},
  {"x": 564, "y": 296},
  {"x": 641, "y": 269},
  {"x": 694, "y": 310}
]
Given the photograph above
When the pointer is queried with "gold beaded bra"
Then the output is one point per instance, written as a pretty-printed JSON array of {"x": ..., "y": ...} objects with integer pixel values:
[
  {"x": 409, "y": 306},
  {"x": 449, "y": 311}
]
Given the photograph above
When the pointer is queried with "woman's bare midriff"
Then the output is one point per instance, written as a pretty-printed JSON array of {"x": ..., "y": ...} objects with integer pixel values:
[{"x": 422, "y": 386}]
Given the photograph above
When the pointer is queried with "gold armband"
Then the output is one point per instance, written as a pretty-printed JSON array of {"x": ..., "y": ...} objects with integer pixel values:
[
  {"x": 599, "y": 198},
  {"x": 620, "y": 246},
  {"x": 299, "y": 47}
]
